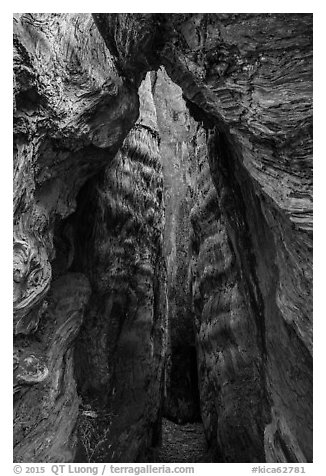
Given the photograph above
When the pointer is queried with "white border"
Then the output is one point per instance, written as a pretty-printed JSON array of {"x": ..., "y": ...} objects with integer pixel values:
[{"x": 318, "y": 467}]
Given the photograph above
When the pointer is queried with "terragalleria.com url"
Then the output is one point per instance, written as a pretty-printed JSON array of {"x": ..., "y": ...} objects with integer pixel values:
[{"x": 62, "y": 469}]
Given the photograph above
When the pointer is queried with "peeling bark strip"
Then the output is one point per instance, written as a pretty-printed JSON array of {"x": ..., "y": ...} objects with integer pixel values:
[{"x": 92, "y": 326}]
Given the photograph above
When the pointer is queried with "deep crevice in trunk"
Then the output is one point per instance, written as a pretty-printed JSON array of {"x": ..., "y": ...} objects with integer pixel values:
[{"x": 162, "y": 263}]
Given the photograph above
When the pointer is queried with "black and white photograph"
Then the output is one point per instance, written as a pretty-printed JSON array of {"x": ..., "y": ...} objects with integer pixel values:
[{"x": 162, "y": 252}]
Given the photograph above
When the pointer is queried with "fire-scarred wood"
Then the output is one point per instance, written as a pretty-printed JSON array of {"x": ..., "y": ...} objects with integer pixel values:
[{"x": 247, "y": 79}]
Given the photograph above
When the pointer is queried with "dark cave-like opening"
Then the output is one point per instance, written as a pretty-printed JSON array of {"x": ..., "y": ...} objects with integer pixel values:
[
  {"x": 182, "y": 399},
  {"x": 96, "y": 363}
]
